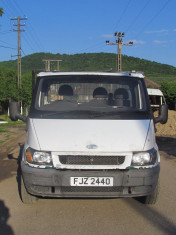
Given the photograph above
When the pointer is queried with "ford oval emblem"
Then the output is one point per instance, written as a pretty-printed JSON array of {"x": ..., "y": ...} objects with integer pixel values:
[{"x": 92, "y": 146}]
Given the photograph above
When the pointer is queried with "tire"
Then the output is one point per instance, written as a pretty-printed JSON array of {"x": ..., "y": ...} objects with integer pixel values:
[
  {"x": 26, "y": 198},
  {"x": 152, "y": 198}
]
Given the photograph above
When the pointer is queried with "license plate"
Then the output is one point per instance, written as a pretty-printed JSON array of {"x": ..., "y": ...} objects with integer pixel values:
[{"x": 91, "y": 181}]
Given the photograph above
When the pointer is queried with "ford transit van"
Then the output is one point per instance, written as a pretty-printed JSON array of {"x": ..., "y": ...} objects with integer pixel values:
[{"x": 90, "y": 135}]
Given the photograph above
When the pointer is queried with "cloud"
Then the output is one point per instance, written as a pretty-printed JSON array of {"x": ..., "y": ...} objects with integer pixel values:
[
  {"x": 174, "y": 30},
  {"x": 138, "y": 42},
  {"x": 107, "y": 35},
  {"x": 159, "y": 42},
  {"x": 157, "y": 31}
]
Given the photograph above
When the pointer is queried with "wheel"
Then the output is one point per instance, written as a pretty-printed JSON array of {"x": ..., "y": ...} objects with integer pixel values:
[
  {"x": 152, "y": 198},
  {"x": 26, "y": 198}
]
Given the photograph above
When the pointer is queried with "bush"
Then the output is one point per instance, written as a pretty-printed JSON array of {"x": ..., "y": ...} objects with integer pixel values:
[{"x": 169, "y": 91}]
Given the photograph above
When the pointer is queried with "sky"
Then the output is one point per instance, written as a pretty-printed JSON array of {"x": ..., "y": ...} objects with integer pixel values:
[{"x": 83, "y": 26}]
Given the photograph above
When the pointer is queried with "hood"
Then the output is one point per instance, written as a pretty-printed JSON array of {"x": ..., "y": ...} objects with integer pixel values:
[{"x": 87, "y": 135}]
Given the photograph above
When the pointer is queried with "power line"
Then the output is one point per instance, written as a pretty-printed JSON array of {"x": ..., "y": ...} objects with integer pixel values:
[
  {"x": 37, "y": 42},
  {"x": 121, "y": 16},
  {"x": 8, "y": 47},
  {"x": 14, "y": 5},
  {"x": 5, "y": 32},
  {"x": 23, "y": 52},
  {"x": 9, "y": 9},
  {"x": 137, "y": 16},
  {"x": 28, "y": 42},
  {"x": 6, "y": 14},
  {"x": 19, "y": 11},
  {"x": 31, "y": 40},
  {"x": 6, "y": 43},
  {"x": 154, "y": 17}
]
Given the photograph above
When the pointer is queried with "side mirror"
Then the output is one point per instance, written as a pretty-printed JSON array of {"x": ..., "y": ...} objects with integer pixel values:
[
  {"x": 163, "y": 114},
  {"x": 14, "y": 110}
]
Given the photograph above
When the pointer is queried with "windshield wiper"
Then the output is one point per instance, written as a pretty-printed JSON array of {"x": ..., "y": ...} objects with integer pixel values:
[
  {"x": 68, "y": 112},
  {"x": 56, "y": 113},
  {"x": 89, "y": 113},
  {"x": 117, "y": 112},
  {"x": 103, "y": 114}
]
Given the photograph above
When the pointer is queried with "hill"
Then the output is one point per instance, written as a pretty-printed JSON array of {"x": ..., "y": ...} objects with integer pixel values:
[{"x": 96, "y": 62}]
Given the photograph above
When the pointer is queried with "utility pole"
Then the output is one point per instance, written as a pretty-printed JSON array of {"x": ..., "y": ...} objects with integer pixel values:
[
  {"x": 48, "y": 64},
  {"x": 19, "y": 30},
  {"x": 119, "y": 43}
]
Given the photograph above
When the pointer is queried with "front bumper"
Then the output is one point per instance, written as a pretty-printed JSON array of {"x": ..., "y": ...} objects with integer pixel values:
[{"x": 56, "y": 183}]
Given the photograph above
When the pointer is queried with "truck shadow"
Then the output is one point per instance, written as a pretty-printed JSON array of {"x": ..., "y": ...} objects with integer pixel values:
[
  {"x": 167, "y": 145},
  {"x": 4, "y": 216},
  {"x": 154, "y": 217}
]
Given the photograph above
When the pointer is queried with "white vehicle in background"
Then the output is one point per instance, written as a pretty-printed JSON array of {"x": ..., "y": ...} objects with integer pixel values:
[
  {"x": 90, "y": 134},
  {"x": 156, "y": 98}
]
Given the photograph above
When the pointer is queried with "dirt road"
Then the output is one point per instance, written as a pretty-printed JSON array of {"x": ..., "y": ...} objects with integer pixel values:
[{"x": 93, "y": 216}]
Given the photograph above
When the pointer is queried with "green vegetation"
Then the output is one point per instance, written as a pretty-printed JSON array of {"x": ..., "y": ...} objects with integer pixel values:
[
  {"x": 169, "y": 91},
  {"x": 96, "y": 62},
  {"x": 160, "y": 73},
  {"x": 4, "y": 117},
  {"x": 9, "y": 90},
  {"x": 1, "y": 11},
  {"x": 4, "y": 128}
]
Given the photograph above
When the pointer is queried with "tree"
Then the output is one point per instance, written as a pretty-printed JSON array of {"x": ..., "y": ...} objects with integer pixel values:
[
  {"x": 1, "y": 11},
  {"x": 9, "y": 90},
  {"x": 169, "y": 91},
  {"x": 8, "y": 87},
  {"x": 26, "y": 90}
]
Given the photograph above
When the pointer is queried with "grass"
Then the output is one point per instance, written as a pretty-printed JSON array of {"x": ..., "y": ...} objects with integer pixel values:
[
  {"x": 3, "y": 127},
  {"x": 5, "y": 117},
  {"x": 4, "y": 131}
]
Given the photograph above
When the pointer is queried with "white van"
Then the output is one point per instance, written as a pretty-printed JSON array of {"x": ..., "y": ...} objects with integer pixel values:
[
  {"x": 156, "y": 98},
  {"x": 90, "y": 134}
]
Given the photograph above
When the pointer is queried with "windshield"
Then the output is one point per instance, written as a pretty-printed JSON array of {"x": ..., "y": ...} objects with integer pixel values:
[{"x": 85, "y": 95}]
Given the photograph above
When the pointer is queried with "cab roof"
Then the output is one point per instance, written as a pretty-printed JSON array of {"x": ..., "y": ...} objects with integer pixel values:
[
  {"x": 152, "y": 91},
  {"x": 123, "y": 74}
]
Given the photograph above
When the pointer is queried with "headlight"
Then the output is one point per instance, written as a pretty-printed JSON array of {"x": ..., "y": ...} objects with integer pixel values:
[
  {"x": 37, "y": 157},
  {"x": 144, "y": 158}
]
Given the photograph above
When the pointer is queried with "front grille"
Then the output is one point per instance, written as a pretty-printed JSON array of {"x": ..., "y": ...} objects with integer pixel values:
[
  {"x": 91, "y": 160},
  {"x": 90, "y": 189}
]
